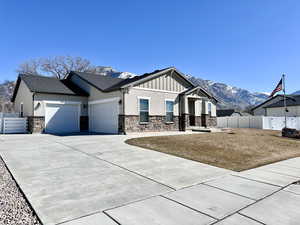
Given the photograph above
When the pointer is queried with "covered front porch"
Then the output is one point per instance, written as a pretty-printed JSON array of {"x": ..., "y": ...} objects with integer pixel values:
[{"x": 198, "y": 109}]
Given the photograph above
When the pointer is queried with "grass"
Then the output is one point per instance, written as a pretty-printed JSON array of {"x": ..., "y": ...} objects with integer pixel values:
[{"x": 238, "y": 149}]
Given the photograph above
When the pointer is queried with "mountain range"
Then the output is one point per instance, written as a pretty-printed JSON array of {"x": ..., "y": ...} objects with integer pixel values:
[{"x": 228, "y": 96}]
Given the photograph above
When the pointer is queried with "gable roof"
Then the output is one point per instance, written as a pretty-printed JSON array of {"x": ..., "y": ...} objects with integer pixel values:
[
  {"x": 107, "y": 83},
  {"x": 268, "y": 100},
  {"x": 229, "y": 112},
  {"x": 292, "y": 100},
  {"x": 156, "y": 73},
  {"x": 194, "y": 88},
  {"x": 225, "y": 112},
  {"x": 49, "y": 85},
  {"x": 103, "y": 83}
]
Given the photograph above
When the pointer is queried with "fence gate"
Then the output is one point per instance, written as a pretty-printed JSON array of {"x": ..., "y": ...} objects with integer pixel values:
[{"x": 14, "y": 125}]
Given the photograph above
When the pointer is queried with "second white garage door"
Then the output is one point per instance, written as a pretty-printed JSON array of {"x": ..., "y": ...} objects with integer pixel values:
[
  {"x": 62, "y": 117},
  {"x": 104, "y": 116}
]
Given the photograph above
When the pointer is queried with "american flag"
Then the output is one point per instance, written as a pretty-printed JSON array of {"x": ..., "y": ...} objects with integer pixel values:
[{"x": 277, "y": 89}]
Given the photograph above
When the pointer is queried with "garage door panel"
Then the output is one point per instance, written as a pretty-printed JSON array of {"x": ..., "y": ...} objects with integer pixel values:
[
  {"x": 62, "y": 118},
  {"x": 104, "y": 117}
]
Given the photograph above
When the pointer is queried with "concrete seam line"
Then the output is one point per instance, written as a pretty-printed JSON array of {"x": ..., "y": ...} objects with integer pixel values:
[
  {"x": 90, "y": 155},
  {"x": 251, "y": 218},
  {"x": 256, "y": 180},
  {"x": 191, "y": 208},
  {"x": 239, "y": 211},
  {"x": 80, "y": 217},
  {"x": 229, "y": 192},
  {"x": 279, "y": 173},
  {"x": 117, "y": 222},
  {"x": 291, "y": 192},
  {"x": 22, "y": 193}
]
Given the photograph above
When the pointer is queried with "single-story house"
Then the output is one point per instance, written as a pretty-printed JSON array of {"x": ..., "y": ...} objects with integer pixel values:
[
  {"x": 231, "y": 112},
  {"x": 158, "y": 101},
  {"x": 260, "y": 110},
  {"x": 277, "y": 108}
]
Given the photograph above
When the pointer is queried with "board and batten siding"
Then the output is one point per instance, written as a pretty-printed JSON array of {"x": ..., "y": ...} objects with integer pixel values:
[
  {"x": 24, "y": 96},
  {"x": 166, "y": 82}
]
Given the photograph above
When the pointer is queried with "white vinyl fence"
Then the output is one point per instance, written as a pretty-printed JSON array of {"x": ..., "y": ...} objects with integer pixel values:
[
  {"x": 10, "y": 123},
  {"x": 258, "y": 122}
]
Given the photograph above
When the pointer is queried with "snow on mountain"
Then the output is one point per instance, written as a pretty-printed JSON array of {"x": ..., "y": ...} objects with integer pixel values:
[
  {"x": 109, "y": 71},
  {"x": 230, "y": 97}
]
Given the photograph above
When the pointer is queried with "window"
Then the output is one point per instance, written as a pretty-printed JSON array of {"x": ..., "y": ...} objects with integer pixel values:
[
  {"x": 144, "y": 110},
  {"x": 169, "y": 111},
  {"x": 209, "y": 108},
  {"x": 21, "y": 109}
]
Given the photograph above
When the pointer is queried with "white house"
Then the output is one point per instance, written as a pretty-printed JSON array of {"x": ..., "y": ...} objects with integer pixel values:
[
  {"x": 157, "y": 101},
  {"x": 277, "y": 109}
]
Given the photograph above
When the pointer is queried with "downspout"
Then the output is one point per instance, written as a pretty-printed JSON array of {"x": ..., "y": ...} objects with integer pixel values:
[
  {"x": 123, "y": 111},
  {"x": 33, "y": 104},
  {"x": 30, "y": 129}
]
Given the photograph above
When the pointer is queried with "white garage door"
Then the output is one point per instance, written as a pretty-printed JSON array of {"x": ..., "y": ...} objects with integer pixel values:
[
  {"x": 103, "y": 116},
  {"x": 62, "y": 117}
]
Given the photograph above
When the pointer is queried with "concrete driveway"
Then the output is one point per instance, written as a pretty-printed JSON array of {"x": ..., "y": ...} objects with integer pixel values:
[
  {"x": 99, "y": 180},
  {"x": 68, "y": 177}
]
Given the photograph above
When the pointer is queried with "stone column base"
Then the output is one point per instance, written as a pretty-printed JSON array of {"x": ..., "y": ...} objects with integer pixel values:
[
  {"x": 209, "y": 121},
  {"x": 36, "y": 124}
]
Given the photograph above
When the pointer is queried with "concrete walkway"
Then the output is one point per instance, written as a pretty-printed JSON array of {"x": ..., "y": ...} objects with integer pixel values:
[{"x": 99, "y": 180}]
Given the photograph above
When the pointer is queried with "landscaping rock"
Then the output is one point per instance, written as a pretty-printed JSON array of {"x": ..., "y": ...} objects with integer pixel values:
[
  {"x": 14, "y": 210},
  {"x": 291, "y": 133}
]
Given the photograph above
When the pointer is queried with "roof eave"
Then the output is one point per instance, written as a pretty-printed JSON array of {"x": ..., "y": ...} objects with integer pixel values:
[
  {"x": 156, "y": 75},
  {"x": 203, "y": 90}
]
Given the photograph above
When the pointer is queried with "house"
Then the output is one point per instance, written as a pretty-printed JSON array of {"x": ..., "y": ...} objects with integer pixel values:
[
  {"x": 278, "y": 109},
  {"x": 231, "y": 112},
  {"x": 158, "y": 101},
  {"x": 260, "y": 110}
]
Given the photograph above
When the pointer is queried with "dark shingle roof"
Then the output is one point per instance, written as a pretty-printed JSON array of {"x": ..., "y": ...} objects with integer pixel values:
[
  {"x": 291, "y": 100},
  {"x": 229, "y": 112},
  {"x": 101, "y": 82},
  {"x": 225, "y": 112},
  {"x": 51, "y": 85},
  {"x": 107, "y": 83}
]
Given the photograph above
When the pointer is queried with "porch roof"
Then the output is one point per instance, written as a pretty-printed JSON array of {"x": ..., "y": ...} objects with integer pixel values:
[{"x": 198, "y": 89}]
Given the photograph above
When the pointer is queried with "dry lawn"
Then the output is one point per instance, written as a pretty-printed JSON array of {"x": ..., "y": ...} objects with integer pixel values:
[{"x": 238, "y": 149}]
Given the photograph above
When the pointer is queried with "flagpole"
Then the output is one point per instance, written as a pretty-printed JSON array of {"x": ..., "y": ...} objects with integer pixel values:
[{"x": 284, "y": 100}]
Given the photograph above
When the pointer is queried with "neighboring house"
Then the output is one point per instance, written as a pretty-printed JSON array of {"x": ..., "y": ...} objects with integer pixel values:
[
  {"x": 158, "y": 101},
  {"x": 260, "y": 110},
  {"x": 278, "y": 109},
  {"x": 231, "y": 112}
]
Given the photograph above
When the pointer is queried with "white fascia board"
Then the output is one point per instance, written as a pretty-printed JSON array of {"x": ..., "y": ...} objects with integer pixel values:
[
  {"x": 63, "y": 102},
  {"x": 104, "y": 100}
]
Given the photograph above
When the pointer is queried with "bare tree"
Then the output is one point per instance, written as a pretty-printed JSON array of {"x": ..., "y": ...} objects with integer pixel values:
[
  {"x": 58, "y": 66},
  {"x": 29, "y": 67}
]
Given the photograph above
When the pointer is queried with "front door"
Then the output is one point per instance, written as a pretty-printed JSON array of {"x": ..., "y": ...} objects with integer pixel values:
[{"x": 191, "y": 112}]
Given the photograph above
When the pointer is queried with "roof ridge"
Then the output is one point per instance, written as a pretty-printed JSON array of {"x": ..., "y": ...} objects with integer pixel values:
[{"x": 94, "y": 74}]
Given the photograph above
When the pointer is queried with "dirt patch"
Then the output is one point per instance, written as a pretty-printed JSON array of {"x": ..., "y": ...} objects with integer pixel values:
[{"x": 237, "y": 149}]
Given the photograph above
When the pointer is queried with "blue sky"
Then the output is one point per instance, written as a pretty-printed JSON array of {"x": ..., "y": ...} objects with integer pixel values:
[{"x": 244, "y": 43}]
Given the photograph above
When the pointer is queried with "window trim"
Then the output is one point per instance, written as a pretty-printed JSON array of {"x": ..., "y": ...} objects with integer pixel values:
[
  {"x": 149, "y": 107},
  {"x": 169, "y": 100},
  {"x": 209, "y": 106}
]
